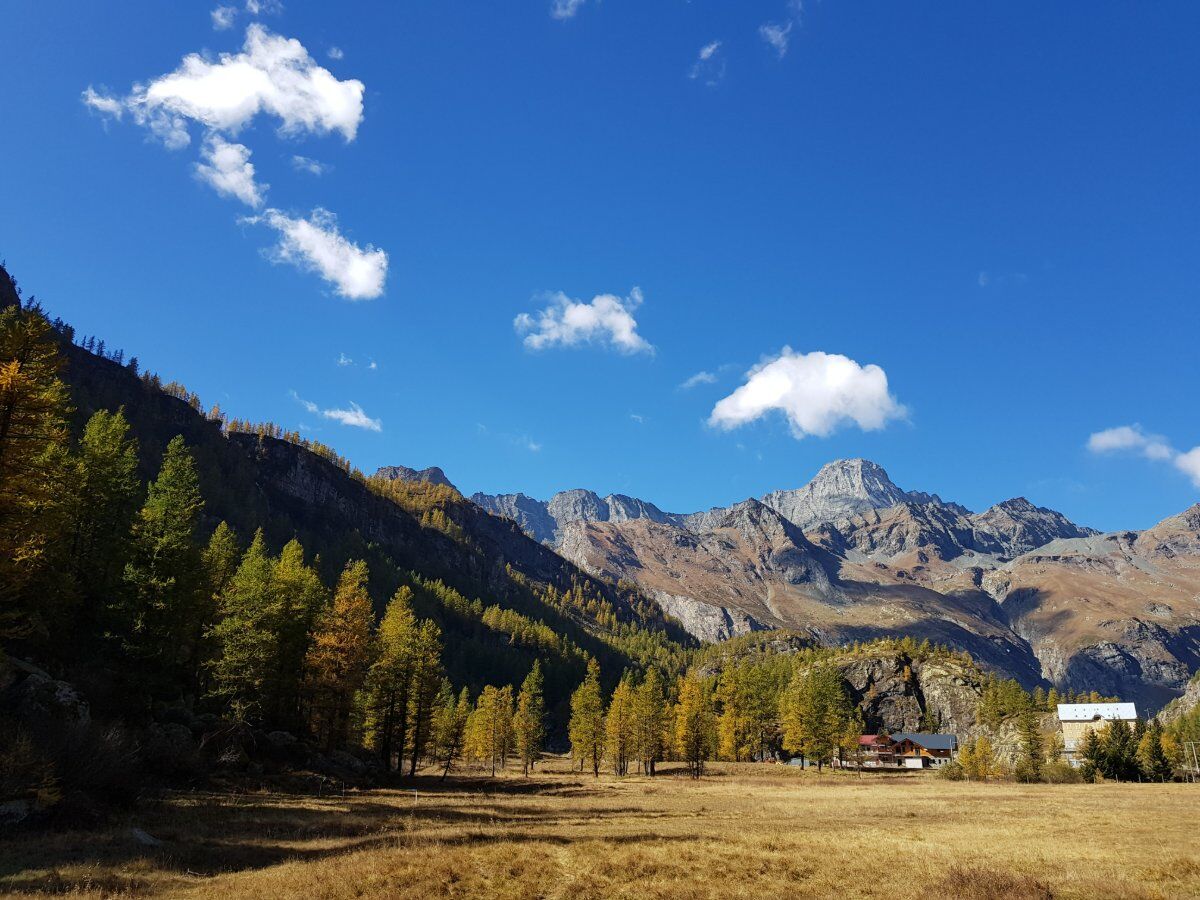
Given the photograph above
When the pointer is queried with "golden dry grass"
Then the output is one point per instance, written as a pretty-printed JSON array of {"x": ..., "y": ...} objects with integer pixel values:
[{"x": 743, "y": 831}]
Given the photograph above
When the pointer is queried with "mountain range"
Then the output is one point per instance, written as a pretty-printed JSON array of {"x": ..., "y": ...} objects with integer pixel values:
[{"x": 852, "y": 556}]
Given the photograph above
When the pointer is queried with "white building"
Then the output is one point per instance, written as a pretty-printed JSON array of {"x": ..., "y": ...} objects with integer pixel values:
[{"x": 1079, "y": 718}]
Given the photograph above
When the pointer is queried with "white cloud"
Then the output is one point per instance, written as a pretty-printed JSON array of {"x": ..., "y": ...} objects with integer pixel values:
[
  {"x": 1189, "y": 463},
  {"x": 709, "y": 66},
  {"x": 777, "y": 36},
  {"x": 264, "y": 7},
  {"x": 373, "y": 365},
  {"x": 272, "y": 75},
  {"x": 307, "y": 404},
  {"x": 335, "y": 53},
  {"x": 228, "y": 169},
  {"x": 1133, "y": 439},
  {"x": 638, "y": 417},
  {"x": 565, "y": 9},
  {"x": 223, "y": 16},
  {"x": 109, "y": 106},
  {"x": 354, "y": 417},
  {"x": 817, "y": 392},
  {"x": 607, "y": 320},
  {"x": 316, "y": 245},
  {"x": 309, "y": 166},
  {"x": 344, "y": 360},
  {"x": 698, "y": 379},
  {"x": 1130, "y": 437}
]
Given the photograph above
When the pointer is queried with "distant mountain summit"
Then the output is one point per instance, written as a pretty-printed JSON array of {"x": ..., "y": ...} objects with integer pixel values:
[
  {"x": 432, "y": 475},
  {"x": 844, "y": 488}
]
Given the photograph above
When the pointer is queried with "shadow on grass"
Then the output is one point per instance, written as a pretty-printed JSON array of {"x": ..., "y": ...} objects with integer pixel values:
[{"x": 206, "y": 834}]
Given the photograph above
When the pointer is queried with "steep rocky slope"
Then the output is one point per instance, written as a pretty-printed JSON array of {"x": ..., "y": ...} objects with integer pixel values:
[{"x": 850, "y": 555}]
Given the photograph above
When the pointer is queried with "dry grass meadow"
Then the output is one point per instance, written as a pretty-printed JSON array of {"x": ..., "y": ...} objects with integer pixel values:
[{"x": 743, "y": 831}]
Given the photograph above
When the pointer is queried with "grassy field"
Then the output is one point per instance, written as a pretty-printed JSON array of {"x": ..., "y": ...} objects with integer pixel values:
[{"x": 743, "y": 831}]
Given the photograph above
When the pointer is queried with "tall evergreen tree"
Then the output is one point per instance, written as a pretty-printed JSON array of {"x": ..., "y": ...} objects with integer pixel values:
[
  {"x": 102, "y": 508},
  {"x": 586, "y": 728},
  {"x": 650, "y": 721},
  {"x": 164, "y": 577},
  {"x": 620, "y": 726},
  {"x": 33, "y": 438},
  {"x": 695, "y": 725},
  {"x": 245, "y": 637},
  {"x": 815, "y": 712},
  {"x": 489, "y": 727},
  {"x": 390, "y": 682},
  {"x": 529, "y": 718},
  {"x": 450, "y": 726},
  {"x": 339, "y": 656},
  {"x": 1151, "y": 758},
  {"x": 427, "y": 678},
  {"x": 297, "y": 598}
]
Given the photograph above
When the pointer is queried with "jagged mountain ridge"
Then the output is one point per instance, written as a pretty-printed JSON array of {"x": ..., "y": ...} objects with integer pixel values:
[{"x": 1021, "y": 587}]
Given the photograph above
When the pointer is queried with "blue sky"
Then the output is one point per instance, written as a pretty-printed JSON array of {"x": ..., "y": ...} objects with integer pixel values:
[{"x": 990, "y": 211}]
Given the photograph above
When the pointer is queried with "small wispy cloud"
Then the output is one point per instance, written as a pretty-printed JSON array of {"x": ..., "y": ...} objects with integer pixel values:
[
  {"x": 372, "y": 365},
  {"x": 335, "y": 53},
  {"x": 309, "y": 166},
  {"x": 778, "y": 35},
  {"x": 522, "y": 441},
  {"x": 1134, "y": 439},
  {"x": 698, "y": 379},
  {"x": 223, "y": 16},
  {"x": 638, "y": 417},
  {"x": 344, "y": 360},
  {"x": 354, "y": 416},
  {"x": 709, "y": 66},
  {"x": 565, "y": 9}
]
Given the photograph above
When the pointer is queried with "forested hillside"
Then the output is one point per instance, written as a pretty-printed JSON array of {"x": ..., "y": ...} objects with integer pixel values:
[{"x": 157, "y": 556}]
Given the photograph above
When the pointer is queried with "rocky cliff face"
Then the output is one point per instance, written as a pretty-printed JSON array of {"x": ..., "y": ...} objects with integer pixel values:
[
  {"x": 547, "y": 521},
  {"x": 431, "y": 475}
]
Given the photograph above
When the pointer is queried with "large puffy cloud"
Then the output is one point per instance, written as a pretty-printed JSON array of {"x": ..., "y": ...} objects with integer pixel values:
[
  {"x": 228, "y": 169},
  {"x": 1134, "y": 439},
  {"x": 607, "y": 320},
  {"x": 817, "y": 393},
  {"x": 272, "y": 75},
  {"x": 315, "y": 244}
]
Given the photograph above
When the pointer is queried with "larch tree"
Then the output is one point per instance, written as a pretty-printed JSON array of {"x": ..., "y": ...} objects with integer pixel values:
[
  {"x": 650, "y": 720},
  {"x": 529, "y": 719},
  {"x": 245, "y": 637},
  {"x": 1153, "y": 761},
  {"x": 297, "y": 597},
  {"x": 450, "y": 726},
  {"x": 489, "y": 727},
  {"x": 164, "y": 577},
  {"x": 815, "y": 713},
  {"x": 33, "y": 439},
  {"x": 586, "y": 727},
  {"x": 339, "y": 656},
  {"x": 426, "y": 680},
  {"x": 102, "y": 508},
  {"x": 695, "y": 725},
  {"x": 619, "y": 726},
  {"x": 390, "y": 681}
]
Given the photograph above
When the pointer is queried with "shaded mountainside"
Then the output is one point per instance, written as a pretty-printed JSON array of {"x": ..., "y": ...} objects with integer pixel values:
[
  {"x": 425, "y": 531},
  {"x": 851, "y": 556}
]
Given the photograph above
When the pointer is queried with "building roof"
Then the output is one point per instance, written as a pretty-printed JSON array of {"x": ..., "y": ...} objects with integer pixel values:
[
  {"x": 871, "y": 739},
  {"x": 1091, "y": 712},
  {"x": 928, "y": 741}
]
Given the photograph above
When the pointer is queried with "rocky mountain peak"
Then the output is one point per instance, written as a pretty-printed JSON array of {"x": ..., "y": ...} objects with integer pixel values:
[
  {"x": 431, "y": 475},
  {"x": 843, "y": 488}
]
